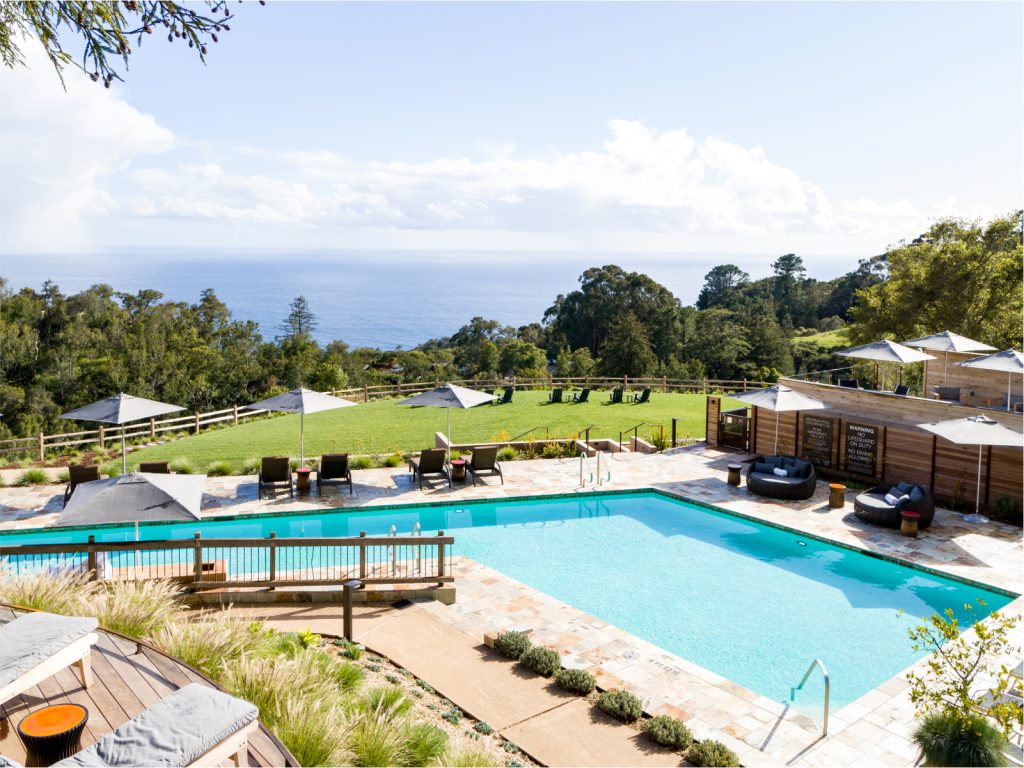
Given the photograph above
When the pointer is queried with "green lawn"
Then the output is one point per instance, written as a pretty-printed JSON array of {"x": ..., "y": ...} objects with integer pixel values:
[
  {"x": 828, "y": 339},
  {"x": 384, "y": 426}
]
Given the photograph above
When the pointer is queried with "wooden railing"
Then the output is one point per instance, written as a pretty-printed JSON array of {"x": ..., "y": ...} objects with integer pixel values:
[
  {"x": 224, "y": 563},
  {"x": 39, "y": 445}
]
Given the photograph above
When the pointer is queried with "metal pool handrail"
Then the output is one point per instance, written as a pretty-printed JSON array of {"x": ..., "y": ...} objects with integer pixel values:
[{"x": 824, "y": 671}]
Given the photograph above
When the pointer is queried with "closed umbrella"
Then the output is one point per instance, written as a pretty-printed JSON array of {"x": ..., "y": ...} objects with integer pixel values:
[
  {"x": 780, "y": 398},
  {"x": 120, "y": 409},
  {"x": 886, "y": 351},
  {"x": 947, "y": 342},
  {"x": 302, "y": 401},
  {"x": 138, "y": 497},
  {"x": 1009, "y": 360},
  {"x": 449, "y": 396},
  {"x": 979, "y": 431}
]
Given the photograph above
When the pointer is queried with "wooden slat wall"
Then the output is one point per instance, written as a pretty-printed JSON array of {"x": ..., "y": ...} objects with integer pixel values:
[
  {"x": 983, "y": 383},
  {"x": 764, "y": 432},
  {"x": 714, "y": 408},
  {"x": 908, "y": 456},
  {"x": 1005, "y": 467}
]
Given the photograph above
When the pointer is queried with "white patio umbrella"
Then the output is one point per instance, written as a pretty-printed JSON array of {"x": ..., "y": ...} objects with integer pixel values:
[
  {"x": 120, "y": 409},
  {"x": 979, "y": 431},
  {"x": 886, "y": 351},
  {"x": 780, "y": 398},
  {"x": 301, "y": 401},
  {"x": 138, "y": 497},
  {"x": 947, "y": 342},
  {"x": 1009, "y": 360},
  {"x": 449, "y": 396}
]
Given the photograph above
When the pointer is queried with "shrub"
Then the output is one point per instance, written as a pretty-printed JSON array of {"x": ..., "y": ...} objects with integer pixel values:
[
  {"x": 507, "y": 454},
  {"x": 394, "y": 460},
  {"x": 251, "y": 466},
  {"x": 948, "y": 738},
  {"x": 551, "y": 451},
  {"x": 349, "y": 649},
  {"x": 32, "y": 477},
  {"x": 220, "y": 469},
  {"x": 182, "y": 466},
  {"x": 1008, "y": 510},
  {"x": 467, "y": 758},
  {"x": 64, "y": 476},
  {"x": 362, "y": 462},
  {"x": 425, "y": 743},
  {"x": 512, "y": 644},
  {"x": 136, "y": 608},
  {"x": 393, "y": 679},
  {"x": 426, "y": 686},
  {"x": 543, "y": 661},
  {"x": 64, "y": 592},
  {"x": 483, "y": 728},
  {"x": 712, "y": 753},
  {"x": 622, "y": 705},
  {"x": 110, "y": 469},
  {"x": 575, "y": 681},
  {"x": 211, "y": 644},
  {"x": 453, "y": 716},
  {"x": 668, "y": 732},
  {"x": 313, "y": 731}
]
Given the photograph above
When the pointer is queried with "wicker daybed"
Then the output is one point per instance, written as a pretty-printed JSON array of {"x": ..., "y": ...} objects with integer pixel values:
[
  {"x": 871, "y": 506},
  {"x": 798, "y": 483}
]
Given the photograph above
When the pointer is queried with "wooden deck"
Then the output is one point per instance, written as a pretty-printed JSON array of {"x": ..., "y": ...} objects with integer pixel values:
[{"x": 128, "y": 677}]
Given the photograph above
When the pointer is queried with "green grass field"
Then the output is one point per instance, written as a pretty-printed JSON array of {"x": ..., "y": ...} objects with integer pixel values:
[
  {"x": 384, "y": 426},
  {"x": 828, "y": 339}
]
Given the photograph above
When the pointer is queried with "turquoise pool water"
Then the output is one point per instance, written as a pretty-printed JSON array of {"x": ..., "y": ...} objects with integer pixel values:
[{"x": 749, "y": 602}]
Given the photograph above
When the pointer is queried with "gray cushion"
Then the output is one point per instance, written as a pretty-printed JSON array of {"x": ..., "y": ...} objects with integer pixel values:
[
  {"x": 175, "y": 731},
  {"x": 762, "y": 467},
  {"x": 904, "y": 487},
  {"x": 874, "y": 501},
  {"x": 916, "y": 494},
  {"x": 6, "y": 762},
  {"x": 773, "y": 461},
  {"x": 31, "y": 639}
]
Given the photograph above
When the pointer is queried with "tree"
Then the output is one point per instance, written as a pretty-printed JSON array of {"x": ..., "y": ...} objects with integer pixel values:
[
  {"x": 787, "y": 286},
  {"x": 627, "y": 351},
  {"x": 582, "y": 364},
  {"x": 721, "y": 285},
  {"x": 300, "y": 321},
  {"x": 487, "y": 359},
  {"x": 719, "y": 341},
  {"x": 960, "y": 276},
  {"x": 105, "y": 30},
  {"x": 520, "y": 358}
]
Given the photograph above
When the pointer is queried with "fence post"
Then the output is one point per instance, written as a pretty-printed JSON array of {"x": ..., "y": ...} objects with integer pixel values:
[
  {"x": 440, "y": 556},
  {"x": 744, "y": 385},
  {"x": 93, "y": 575},
  {"x": 42, "y": 447},
  {"x": 152, "y": 429},
  {"x": 197, "y": 423},
  {"x": 197, "y": 565},
  {"x": 366, "y": 394},
  {"x": 102, "y": 435},
  {"x": 362, "y": 555},
  {"x": 674, "y": 420},
  {"x": 234, "y": 413},
  {"x": 273, "y": 557}
]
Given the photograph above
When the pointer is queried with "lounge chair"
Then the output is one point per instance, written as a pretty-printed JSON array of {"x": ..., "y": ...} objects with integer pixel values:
[
  {"x": 36, "y": 646},
  {"x": 333, "y": 469},
  {"x": 902, "y": 390},
  {"x": 947, "y": 394},
  {"x": 581, "y": 396},
  {"x": 871, "y": 506},
  {"x": 78, "y": 474},
  {"x": 643, "y": 397},
  {"x": 504, "y": 397},
  {"x": 849, "y": 383},
  {"x": 430, "y": 462},
  {"x": 484, "y": 461},
  {"x": 616, "y": 395},
  {"x": 274, "y": 471},
  {"x": 194, "y": 725},
  {"x": 555, "y": 396},
  {"x": 798, "y": 483},
  {"x": 157, "y": 467}
]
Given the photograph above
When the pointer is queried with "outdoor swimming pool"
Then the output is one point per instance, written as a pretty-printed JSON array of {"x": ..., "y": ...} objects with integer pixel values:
[{"x": 747, "y": 601}]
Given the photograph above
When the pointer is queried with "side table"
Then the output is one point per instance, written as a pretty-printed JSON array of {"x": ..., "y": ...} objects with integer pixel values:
[{"x": 53, "y": 733}]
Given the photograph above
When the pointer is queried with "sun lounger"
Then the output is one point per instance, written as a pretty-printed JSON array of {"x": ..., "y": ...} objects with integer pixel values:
[
  {"x": 157, "y": 467},
  {"x": 429, "y": 462},
  {"x": 36, "y": 646},
  {"x": 78, "y": 474},
  {"x": 195, "y": 725},
  {"x": 948, "y": 394},
  {"x": 581, "y": 397},
  {"x": 555, "y": 396},
  {"x": 333, "y": 469},
  {"x": 616, "y": 395},
  {"x": 643, "y": 397},
  {"x": 274, "y": 471},
  {"x": 484, "y": 461}
]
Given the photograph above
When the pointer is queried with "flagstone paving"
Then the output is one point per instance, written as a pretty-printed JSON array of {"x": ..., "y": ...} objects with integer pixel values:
[{"x": 873, "y": 730}]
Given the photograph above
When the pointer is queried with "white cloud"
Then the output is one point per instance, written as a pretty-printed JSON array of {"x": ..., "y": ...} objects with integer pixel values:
[{"x": 86, "y": 170}]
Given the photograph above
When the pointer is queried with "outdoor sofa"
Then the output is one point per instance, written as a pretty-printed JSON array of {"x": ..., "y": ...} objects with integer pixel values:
[
  {"x": 872, "y": 507},
  {"x": 798, "y": 483}
]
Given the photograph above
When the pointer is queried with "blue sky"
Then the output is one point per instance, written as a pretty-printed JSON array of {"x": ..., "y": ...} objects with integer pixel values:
[{"x": 834, "y": 128}]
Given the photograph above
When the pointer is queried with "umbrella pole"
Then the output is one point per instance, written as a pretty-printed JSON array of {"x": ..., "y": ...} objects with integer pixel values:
[
  {"x": 945, "y": 362},
  {"x": 124, "y": 456},
  {"x": 302, "y": 437},
  {"x": 977, "y": 491},
  {"x": 449, "y": 434},
  {"x": 1009, "y": 388},
  {"x": 775, "y": 451}
]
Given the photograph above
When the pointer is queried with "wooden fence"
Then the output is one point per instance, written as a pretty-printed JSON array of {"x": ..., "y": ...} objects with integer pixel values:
[
  {"x": 226, "y": 563},
  {"x": 41, "y": 444}
]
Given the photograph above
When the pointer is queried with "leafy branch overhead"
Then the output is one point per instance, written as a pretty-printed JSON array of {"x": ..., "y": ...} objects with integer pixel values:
[{"x": 107, "y": 31}]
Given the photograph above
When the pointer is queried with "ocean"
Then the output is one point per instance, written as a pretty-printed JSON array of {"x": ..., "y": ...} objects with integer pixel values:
[{"x": 382, "y": 299}]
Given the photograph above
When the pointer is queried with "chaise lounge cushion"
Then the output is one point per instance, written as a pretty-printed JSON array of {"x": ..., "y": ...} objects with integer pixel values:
[
  {"x": 175, "y": 731},
  {"x": 31, "y": 639}
]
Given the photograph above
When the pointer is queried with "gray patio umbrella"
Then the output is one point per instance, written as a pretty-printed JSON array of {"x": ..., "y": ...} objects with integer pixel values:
[
  {"x": 120, "y": 409},
  {"x": 138, "y": 497},
  {"x": 947, "y": 342},
  {"x": 302, "y": 401},
  {"x": 449, "y": 396},
  {"x": 1009, "y": 360},
  {"x": 779, "y": 398},
  {"x": 979, "y": 431},
  {"x": 886, "y": 351}
]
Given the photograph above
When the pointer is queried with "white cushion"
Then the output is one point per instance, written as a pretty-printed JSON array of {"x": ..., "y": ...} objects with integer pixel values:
[
  {"x": 891, "y": 500},
  {"x": 780, "y": 472}
]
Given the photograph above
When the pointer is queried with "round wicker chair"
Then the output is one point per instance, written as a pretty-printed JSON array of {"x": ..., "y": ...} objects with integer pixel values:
[
  {"x": 871, "y": 507},
  {"x": 761, "y": 481}
]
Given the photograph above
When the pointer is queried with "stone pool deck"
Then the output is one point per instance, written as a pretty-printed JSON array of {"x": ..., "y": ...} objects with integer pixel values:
[{"x": 873, "y": 730}]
